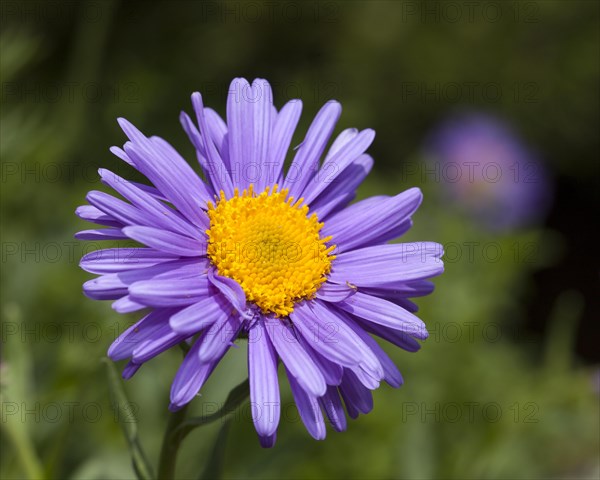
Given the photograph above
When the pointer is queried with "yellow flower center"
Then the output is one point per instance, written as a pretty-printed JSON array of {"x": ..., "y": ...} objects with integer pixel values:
[{"x": 269, "y": 245}]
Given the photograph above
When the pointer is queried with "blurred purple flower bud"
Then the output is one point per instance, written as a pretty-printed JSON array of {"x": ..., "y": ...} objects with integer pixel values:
[{"x": 489, "y": 172}]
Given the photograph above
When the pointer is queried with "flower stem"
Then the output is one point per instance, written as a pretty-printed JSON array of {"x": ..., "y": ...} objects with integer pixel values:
[
  {"x": 26, "y": 454},
  {"x": 178, "y": 427},
  {"x": 170, "y": 445}
]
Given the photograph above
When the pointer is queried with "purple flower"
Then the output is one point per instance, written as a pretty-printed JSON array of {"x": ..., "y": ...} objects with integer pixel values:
[
  {"x": 488, "y": 171},
  {"x": 252, "y": 251}
]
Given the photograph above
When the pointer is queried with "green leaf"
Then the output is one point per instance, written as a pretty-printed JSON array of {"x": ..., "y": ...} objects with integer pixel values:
[
  {"x": 562, "y": 330},
  {"x": 124, "y": 412},
  {"x": 178, "y": 428},
  {"x": 236, "y": 397},
  {"x": 214, "y": 466},
  {"x": 185, "y": 348}
]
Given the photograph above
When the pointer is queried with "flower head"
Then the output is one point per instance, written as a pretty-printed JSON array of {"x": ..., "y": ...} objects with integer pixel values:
[
  {"x": 489, "y": 171},
  {"x": 278, "y": 257}
]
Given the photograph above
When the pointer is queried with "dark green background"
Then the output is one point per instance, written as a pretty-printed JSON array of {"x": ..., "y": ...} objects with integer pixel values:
[{"x": 507, "y": 384}]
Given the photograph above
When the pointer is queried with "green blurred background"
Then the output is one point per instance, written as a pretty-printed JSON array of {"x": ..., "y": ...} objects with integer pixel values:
[{"x": 507, "y": 385}]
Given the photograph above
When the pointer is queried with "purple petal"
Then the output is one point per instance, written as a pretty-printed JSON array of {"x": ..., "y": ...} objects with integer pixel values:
[
  {"x": 391, "y": 374},
  {"x": 217, "y": 171},
  {"x": 308, "y": 408},
  {"x": 151, "y": 191},
  {"x": 217, "y": 129},
  {"x": 126, "y": 305},
  {"x": 342, "y": 189},
  {"x": 164, "y": 339},
  {"x": 400, "y": 339},
  {"x": 95, "y": 215},
  {"x": 123, "y": 346},
  {"x": 113, "y": 260},
  {"x": 180, "y": 268},
  {"x": 221, "y": 335},
  {"x": 295, "y": 358},
  {"x": 340, "y": 141},
  {"x": 167, "y": 242},
  {"x": 200, "y": 315},
  {"x": 106, "y": 287},
  {"x": 306, "y": 161},
  {"x": 366, "y": 379},
  {"x": 230, "y": 289},
  {"x": 260, "y": 110},
  {"x": 343, "y": 156},
  {"x": 264, "y": 386},
  {"x": 283, "y": 131},
  {"x": 156, "y": 212},
  {"x": 332, "y": 372},
  {"x": 169, "y": 293},
  {"x": 396, "y": 231},
  {"x": 130, "y": 369},
  {"x": 194, "y": 136},
  {"x": 267, "y": 441},
  {"x": 383, "y": 264},
  {"x": 123, "y": 212},
  {"x": 405, "y": 303},
  {"x": 371, "y": 219},
  {"x": 169, "y": 172},
  {"x": 120, "y": 153},
  {"x": 381, "y": 312},
  {"x": 334, "y": 292},
  {"x": 327, "y": 332},
  {"x": 249, "y": 112},
  {"x": 192, "y": 374},
  {"x": 332, "y": 404},
  {"x": 101, "y": 234},
  {"x": 112, "y": 285},
  {"x": 237, "y": 133},
  {"x": 356, "y": 396},
  {"x": 417, "y": 288}
]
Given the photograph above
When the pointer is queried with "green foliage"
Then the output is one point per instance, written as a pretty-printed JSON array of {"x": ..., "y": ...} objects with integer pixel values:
[
  {"x": 484, "y": 398},
  {"x": 123, "y": 409}
]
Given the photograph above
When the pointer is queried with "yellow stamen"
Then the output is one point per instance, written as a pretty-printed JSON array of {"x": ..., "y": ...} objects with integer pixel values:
[{"x": 270, "y": 245}]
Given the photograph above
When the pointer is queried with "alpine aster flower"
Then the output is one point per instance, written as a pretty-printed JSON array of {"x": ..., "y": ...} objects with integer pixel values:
[{"x": 252, "y": 251}]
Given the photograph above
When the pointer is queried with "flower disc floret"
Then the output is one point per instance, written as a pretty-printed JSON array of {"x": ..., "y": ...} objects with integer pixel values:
[{"x": 270, "y": 245}]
